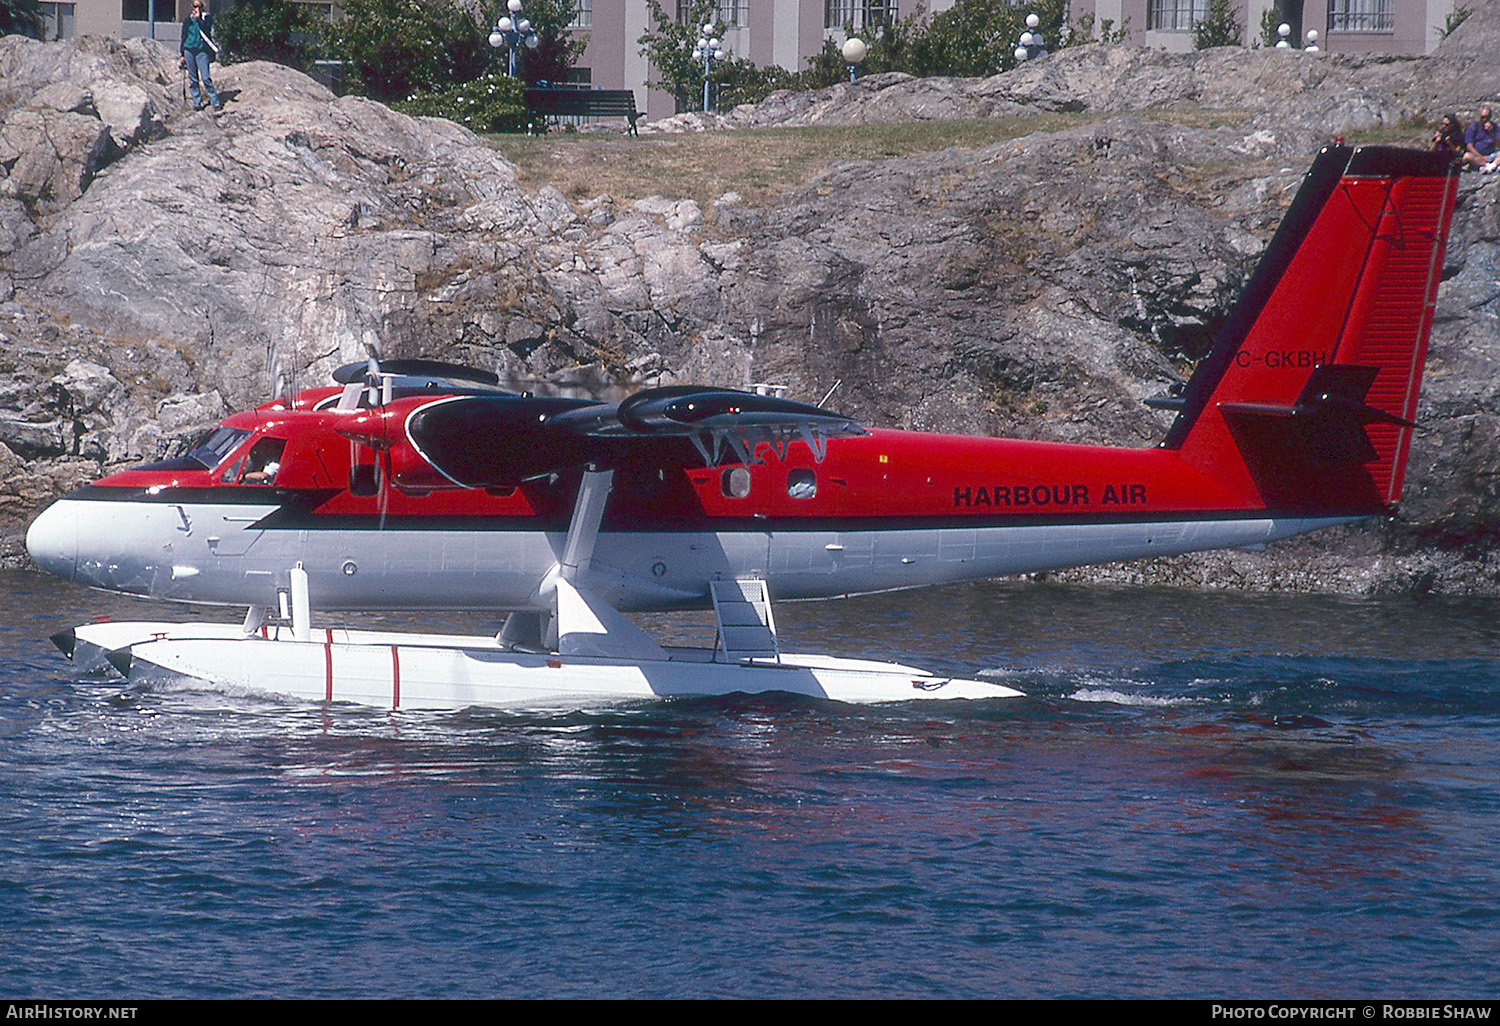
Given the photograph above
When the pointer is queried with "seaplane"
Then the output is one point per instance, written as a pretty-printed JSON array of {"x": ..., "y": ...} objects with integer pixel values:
[{"x": 419, "y": 485}]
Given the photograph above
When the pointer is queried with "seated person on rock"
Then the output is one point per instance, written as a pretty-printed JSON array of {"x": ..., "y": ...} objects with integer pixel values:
[
  {"x": 1482, "y": 143},
  {"x": 1449, "y": 137}
]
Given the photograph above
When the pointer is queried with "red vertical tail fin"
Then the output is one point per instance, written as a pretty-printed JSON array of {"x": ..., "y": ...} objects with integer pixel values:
[{"x": 1308, "y": 398}]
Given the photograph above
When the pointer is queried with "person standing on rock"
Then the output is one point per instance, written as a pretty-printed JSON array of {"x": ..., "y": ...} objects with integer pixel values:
[
  {"x": 196, "y": 53},
  {"x": 1482, "y": 142}
]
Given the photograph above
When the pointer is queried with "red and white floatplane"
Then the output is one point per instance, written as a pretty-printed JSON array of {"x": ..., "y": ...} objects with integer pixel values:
[{"x": 420, "y": 485}]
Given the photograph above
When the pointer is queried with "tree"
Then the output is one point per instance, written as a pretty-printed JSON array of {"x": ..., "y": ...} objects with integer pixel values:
[
  {"x": 393, "y": 49},
  {"x": 270, "y": 30},
  {"x": 669, "y": 48},
  {"x": 975, "y": 38},
  {"x": 557, "y": 49},
  {"x": 1270, "y": 23},
  {"x": 1218, "y": 26},
  {"x": 20, "y": 17}
]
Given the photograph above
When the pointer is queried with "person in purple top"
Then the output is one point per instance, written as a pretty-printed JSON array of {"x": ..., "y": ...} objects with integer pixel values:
[{"x": 1482, "y": 143}]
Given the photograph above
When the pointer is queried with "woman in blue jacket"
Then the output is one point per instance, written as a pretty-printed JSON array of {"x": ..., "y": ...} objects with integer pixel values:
[{"x": 196, "y": 51}]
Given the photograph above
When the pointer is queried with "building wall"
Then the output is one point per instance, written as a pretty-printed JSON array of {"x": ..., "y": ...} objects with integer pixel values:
[
  {"x": 1416, "y": 24},
  {"x": 106, "y": 18}
]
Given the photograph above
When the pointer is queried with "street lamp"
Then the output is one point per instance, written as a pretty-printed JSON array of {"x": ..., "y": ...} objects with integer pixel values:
[
  {"x": 1283, "y": 30},
  {"x": 854, "y": 51},
  {"x": 1312, "y": 41},
  {"x": 708, "y": 50},
  {"x": 514, "y": 32},
  {"x": 1031, "y": 44}
]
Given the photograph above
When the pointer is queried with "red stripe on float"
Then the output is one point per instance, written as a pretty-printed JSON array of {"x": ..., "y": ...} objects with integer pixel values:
[
  {"x": 395, "y": 678},
  {"x": 328, "y": 667}
]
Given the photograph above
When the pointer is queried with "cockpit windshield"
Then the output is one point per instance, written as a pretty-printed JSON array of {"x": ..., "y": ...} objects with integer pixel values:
[{"x": 211, "y": 449}]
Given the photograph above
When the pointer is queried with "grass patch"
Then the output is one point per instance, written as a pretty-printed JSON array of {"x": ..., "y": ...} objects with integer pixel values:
[
  {"x": 763, "y": 163},
  {"x": 1406, "y": 132}
]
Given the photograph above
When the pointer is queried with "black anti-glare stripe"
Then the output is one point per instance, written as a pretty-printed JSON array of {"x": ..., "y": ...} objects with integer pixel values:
[
  {"x": 787, "y": 525},
  {"x": 301, "y": 515},
  {"x": 219, "y": 495}
]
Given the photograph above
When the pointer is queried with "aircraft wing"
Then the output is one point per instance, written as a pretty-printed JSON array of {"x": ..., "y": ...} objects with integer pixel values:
[{"x": 486, "y": 441}]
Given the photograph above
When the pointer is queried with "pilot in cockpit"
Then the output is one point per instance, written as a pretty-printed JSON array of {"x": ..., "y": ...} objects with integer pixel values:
[{"x": 264, "y": 461}]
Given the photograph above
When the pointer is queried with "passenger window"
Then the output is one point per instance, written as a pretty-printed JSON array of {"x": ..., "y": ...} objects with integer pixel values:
[
  {"x": 801, "y": 483},
  {"x": 231, "y": 473},
  {"x": 735, "y": 482},
  {"x": 264, "y": 461}
]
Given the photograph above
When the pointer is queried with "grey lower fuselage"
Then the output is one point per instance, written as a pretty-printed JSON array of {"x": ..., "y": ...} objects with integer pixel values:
[{"x": 223, "y": 554}]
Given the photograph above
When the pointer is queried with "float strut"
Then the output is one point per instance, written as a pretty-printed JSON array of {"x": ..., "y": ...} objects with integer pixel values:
[{"x": 301, "y": 605}]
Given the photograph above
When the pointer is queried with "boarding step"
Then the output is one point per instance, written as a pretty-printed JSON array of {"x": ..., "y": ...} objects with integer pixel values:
[{"x": 747, "y": 627}]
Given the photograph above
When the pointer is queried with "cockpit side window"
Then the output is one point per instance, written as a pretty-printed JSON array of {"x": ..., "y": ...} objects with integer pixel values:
[
  {"x": 211, "y": 449},
  {"x": 263, "y": 462}
]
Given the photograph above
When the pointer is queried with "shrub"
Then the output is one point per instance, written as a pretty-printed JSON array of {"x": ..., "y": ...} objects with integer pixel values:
[
  {"x": 490, "y": 103},
  {"x": 1218, "y": 27}
]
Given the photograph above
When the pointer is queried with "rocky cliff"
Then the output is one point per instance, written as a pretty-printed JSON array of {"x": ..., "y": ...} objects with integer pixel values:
[{"x": 159, "y": 267}]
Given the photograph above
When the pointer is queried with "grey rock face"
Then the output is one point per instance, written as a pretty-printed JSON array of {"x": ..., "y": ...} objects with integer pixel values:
[{"x": 180, "y": 266}]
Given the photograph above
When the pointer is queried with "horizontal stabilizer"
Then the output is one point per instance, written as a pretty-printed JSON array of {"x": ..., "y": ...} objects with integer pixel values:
[{"x": 1327, "y": 421}]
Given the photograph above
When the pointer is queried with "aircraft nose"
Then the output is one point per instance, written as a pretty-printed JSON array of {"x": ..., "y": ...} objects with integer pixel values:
[{"x": 52, "y": 539}]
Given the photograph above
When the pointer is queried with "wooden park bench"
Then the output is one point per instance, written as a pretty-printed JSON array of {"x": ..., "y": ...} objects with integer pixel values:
[{"x": 604, "y": 103}]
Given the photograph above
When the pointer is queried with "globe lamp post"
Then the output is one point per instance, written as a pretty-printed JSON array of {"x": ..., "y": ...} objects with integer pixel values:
[
  {"x": 513, "y": 32},
  {"x": 1032, "y": 44},
  {"x": 709, "y": 49},
  {"x": 854, "y": 50}
]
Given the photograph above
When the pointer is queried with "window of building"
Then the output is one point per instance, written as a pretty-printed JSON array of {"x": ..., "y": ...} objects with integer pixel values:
[
  {"x": 140, "y": 10},
  {"x": 57, "y": 21},
  {"x": 1174, "y": 15},
  {"x": 583, "y": 14},
  {"x": 1361, "y": 15},
  {"x": 860, "y": 15},
  {"x": 726, "y": 12}
]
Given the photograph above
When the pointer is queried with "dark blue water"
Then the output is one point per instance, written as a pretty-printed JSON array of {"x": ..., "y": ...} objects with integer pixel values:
[{"x": 1205, "y": 795}]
